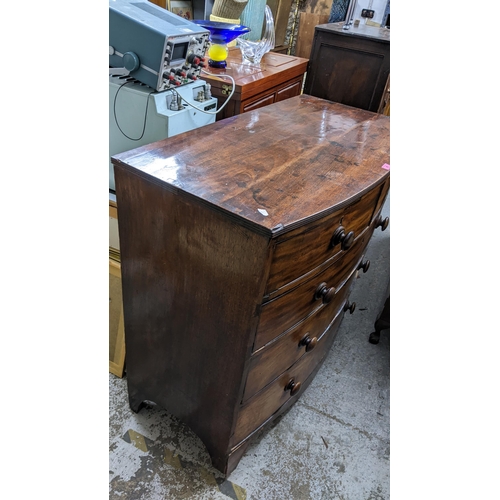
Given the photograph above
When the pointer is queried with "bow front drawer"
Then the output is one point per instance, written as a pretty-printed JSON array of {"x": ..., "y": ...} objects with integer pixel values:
[
  {"x": 280, "y": 314},
  {"x": 267, "y": 402},
  {"x": 271, "y": 361},
  {"x": 298, "y": 253}
]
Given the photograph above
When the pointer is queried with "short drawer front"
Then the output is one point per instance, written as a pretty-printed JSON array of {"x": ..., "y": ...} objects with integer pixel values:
[
  {"x": 261, "y": 407},
  {"x": 258, "y": 103},
  {"x": 300, "y": 341},
  {"x": 291, "y": 89},
  {"x": 280, "y": 314},
  {"x": 299, "y": 252}
]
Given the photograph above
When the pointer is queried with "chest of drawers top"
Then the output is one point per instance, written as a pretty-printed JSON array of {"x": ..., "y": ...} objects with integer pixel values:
[{"x": 276, "y": 168}]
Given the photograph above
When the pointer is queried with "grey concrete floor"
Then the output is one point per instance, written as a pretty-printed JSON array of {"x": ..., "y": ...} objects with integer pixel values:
[{"x": 333, "y": 443}]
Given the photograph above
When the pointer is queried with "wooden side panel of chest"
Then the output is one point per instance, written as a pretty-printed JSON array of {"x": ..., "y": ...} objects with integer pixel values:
[{"x": 192, "y": 285}]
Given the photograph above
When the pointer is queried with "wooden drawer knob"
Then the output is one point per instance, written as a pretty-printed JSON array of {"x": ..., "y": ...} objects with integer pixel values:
[
  {"x": 364, "y": 265},
  {"x": 384, "y": 223},
  {"x": 293, "y": 387},
  {"x": 340, "y": 236},
  {"x": 325, "y": 293},
  {"x": 308, "y": 342},
  {"x": 349, "y": 307}
]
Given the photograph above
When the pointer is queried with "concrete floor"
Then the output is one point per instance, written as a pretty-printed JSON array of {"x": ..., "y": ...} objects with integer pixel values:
[{"x": 332, "y": 444}]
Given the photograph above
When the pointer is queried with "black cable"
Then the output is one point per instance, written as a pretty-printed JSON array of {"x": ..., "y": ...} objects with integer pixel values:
[{"x": 145, "y": 114}]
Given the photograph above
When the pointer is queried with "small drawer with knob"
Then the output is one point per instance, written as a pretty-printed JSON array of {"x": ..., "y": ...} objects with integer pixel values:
[
  {"x": 259, "y": 408},
  {"x": 285, "y": 311},
  {"x": 272, "y": 360},
  {"x": 298, "y": 253}
]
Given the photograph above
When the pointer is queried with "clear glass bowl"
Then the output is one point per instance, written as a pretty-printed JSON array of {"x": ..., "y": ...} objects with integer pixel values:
[{"x": 254, "y": 51}]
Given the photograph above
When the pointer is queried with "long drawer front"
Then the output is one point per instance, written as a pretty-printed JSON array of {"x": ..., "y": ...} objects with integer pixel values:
[
  {"x": 301, "y": 340},
  {"x": 280, "y": 314},
  {"x": 299, "y": 252},
  {"x": 261, "y": 407}
]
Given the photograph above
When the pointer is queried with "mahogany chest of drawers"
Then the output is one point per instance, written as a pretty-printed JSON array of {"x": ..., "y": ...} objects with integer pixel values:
[{"x": 240, "y": 242}]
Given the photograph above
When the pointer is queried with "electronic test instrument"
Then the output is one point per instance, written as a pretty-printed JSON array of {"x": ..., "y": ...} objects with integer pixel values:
[{"x": 155, "y": 61}]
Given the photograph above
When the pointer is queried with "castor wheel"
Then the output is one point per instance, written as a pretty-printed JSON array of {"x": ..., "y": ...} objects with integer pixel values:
[{"x": 374, "y": 338}]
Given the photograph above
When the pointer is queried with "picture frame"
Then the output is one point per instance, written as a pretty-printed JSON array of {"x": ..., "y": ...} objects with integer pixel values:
[
  {"x": 116, "y": 325},
  {"x": 182, "y": 8}
]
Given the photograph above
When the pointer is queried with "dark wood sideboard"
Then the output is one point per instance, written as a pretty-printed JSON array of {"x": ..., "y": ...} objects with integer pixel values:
[
  {"x": 277, "y": 77},
  {"x": 240, "y": 243},
  {"x": 349, "y": 66}
]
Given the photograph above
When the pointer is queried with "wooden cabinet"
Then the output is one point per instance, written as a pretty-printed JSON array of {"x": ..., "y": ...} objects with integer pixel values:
[
  {"x": 349, "y": 66},
  {"x": 277, "y": 77},
  {"x": 237, "y": 261}
]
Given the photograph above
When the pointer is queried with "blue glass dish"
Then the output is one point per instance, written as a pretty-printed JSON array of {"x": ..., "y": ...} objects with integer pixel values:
[{"x": 222, "y": 32}]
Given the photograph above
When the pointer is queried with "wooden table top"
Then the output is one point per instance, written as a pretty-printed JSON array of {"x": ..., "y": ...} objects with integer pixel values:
[{"x": 274, "y": 168}]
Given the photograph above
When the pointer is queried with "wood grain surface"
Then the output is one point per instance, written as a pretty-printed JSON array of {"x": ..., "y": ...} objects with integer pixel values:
[
  {"x": 267, "y": 364},
  {"x": 306, "y": 248},
  {"x": 286, "y": 310},
  {"x": 267, "y": 402},
  {"x": 201, "y": 216},
  {"x": 275, "y": 168}
]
